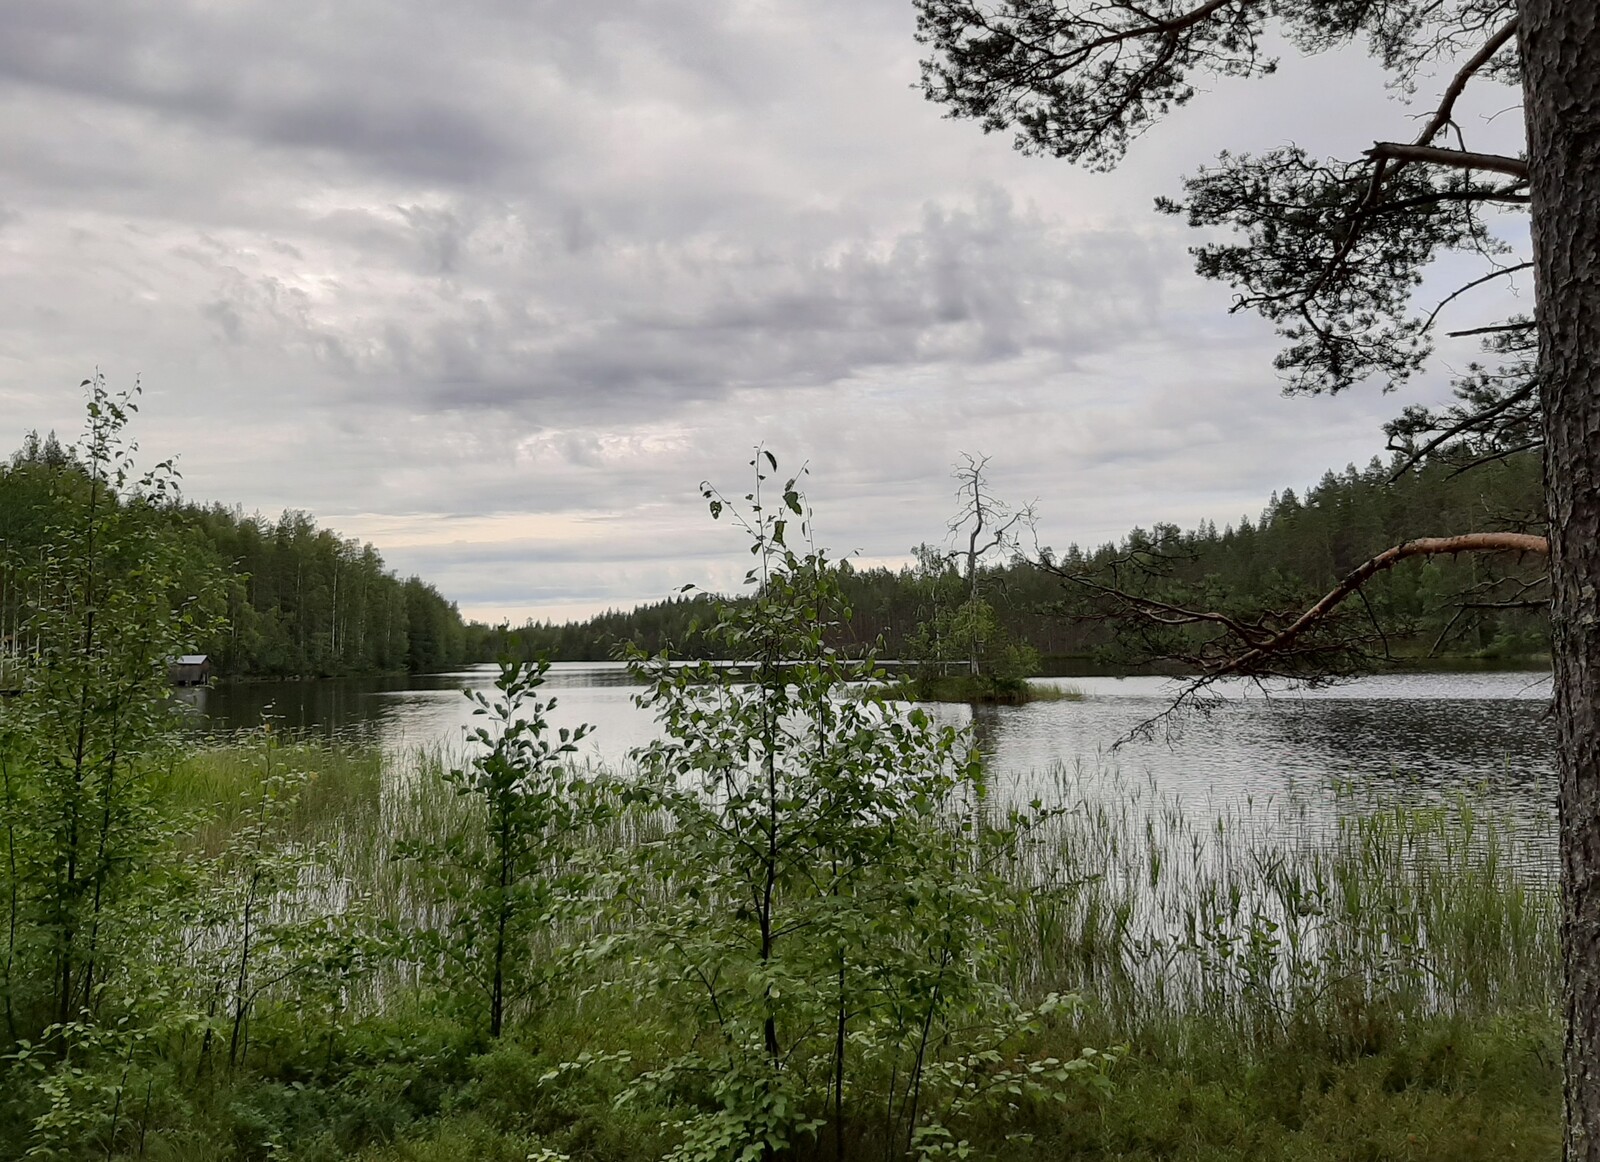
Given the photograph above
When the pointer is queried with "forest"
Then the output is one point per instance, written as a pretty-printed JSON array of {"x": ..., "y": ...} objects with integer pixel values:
[
  {"x": 296, "y": 600},
  {"x": 1296, "y": 549},
  {"x": 290, "y": 599}
]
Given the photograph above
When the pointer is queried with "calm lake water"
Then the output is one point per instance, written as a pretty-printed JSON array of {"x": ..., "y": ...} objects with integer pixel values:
[{"x": 1413, "y": 737}]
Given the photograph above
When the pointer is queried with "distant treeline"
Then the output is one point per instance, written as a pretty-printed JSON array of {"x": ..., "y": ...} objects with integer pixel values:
[
  {"x": 1293, "y": 552},
  {"x": 298, "y": 600}
]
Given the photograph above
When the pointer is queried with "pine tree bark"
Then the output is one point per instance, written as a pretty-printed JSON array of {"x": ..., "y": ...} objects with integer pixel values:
[{"x": 1560, "y": 41}]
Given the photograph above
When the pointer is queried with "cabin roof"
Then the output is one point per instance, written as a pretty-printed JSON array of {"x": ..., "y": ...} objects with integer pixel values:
[{"x": 191, "y": 660}]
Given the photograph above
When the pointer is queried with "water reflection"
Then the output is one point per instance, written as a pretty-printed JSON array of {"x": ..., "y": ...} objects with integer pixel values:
[
  {"x": 1410, "y": 736},
  {"x": 1420, "y": 739}
]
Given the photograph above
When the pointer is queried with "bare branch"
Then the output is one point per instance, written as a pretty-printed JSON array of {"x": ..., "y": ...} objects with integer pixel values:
[
  {"x": 1372, "y": 616},
  {"x": 1458, "y": 84},
  {"x": 1516, "y": 602},
  {"x": 1470, "y": 423},
  {"x": 1497, "y": 455},
  {"x": 1458, "y": 158},
  {"x": 1444, "y": 634},
  {"x": 1384, "y": 561},
  {"x": 1164, "y": 613},
  {"x": 1500, "y": 272},
  {"x": 1498, "y": 328}
]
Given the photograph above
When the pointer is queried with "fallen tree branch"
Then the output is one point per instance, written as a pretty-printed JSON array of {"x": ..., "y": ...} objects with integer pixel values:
[
  {"x": 1361, "y": 574},
  {"x": 1260, "y": 650}
]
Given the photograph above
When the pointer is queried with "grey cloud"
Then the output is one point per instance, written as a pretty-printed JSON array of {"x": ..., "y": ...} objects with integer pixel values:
[
  {"x": 402, "y": 263},
  {"x": 287, "y": 79},
  {"x": 969, "y": 285},
  {"x": 654, "y": 327},
  {"x": 462, "y": 95}
]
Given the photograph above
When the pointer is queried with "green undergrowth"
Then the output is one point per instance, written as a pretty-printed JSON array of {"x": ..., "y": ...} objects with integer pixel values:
[
  {"x": 408, "y": 1089},
  {"x": 1380, "y": 987}
]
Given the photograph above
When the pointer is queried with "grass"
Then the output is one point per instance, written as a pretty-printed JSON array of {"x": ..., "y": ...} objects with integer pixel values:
[
  {"x": 1378, "y": 982},
  {"x": 1268, "y": 915},
  {"x": 342, "y": 784},
  {"x": 1382, "y": 984}
]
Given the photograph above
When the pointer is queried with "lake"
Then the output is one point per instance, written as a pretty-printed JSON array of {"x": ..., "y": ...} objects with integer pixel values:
[{"x": 1407, "y": 737}]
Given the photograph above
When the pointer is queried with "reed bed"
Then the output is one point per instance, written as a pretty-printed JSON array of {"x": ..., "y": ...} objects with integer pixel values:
[
  {"x": 1314, "y": 976},
  {"x": 1262, "y": 916},
  {"x": 342, "y": 785},
  {"x": 1269, "y": 916}
]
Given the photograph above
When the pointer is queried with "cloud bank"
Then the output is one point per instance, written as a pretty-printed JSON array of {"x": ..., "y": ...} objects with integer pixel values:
[{"x": 496, "y": 285}]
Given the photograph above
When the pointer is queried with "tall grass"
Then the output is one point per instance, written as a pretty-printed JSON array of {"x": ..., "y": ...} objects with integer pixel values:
[
  {"x": 1299, "y": 977},
  {"x": 1271, "y": 918},
  {"x": 1262, "y": 917},
  {"x": 216, "y": 785}
]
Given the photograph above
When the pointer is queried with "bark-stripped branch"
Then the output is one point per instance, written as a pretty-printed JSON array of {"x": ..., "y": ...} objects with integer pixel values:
[
  {"x": 1279, "y": 645},
  {"x": 1384, "y": 561},
  {"x": 1456, "y": 158}
]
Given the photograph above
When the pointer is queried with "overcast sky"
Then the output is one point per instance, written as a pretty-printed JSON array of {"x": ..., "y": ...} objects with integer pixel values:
[{"x": 495, "y": 284}]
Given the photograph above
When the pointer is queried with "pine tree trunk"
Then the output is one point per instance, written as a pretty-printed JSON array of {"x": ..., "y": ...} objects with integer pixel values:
[{"x": 1561, "y": 59}]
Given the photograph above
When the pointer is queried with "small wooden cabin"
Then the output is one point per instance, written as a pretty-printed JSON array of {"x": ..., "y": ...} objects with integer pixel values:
[{"x": 189, "y": 670}]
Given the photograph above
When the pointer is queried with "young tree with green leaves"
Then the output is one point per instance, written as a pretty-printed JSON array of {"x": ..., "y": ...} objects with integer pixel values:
[
  {"x": 828, "y": 913},
  {"x": 513, "y": 873},
  {"x": 79, "y": 744}
]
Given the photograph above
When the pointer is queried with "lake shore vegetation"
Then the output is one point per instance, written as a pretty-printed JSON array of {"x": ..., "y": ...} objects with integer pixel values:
[
  {"x": 981, "y": 689},
  {"x": 1381, "y": 987},
  {"x": 798, "y": 926}
]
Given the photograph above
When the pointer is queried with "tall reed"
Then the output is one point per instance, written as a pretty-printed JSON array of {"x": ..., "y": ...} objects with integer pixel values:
[{"x": 1268, "y": 917}]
